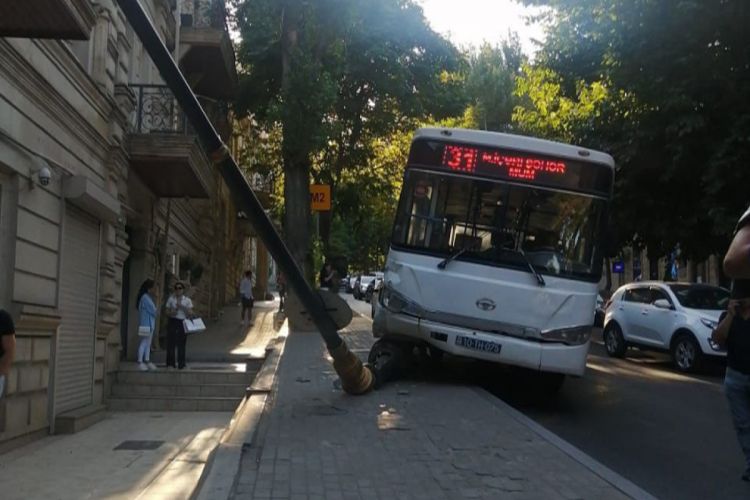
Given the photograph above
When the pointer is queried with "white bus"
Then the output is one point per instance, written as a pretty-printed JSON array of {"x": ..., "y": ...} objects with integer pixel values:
[{"x": 496, "y": 251}]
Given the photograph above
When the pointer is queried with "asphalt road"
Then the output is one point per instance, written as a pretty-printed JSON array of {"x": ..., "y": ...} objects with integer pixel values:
[{"x": 669, "y": 433}]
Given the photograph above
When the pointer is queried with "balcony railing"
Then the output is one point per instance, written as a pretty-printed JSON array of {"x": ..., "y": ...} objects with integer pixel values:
[
  {"x": 157, "y": 111},
  {"x": 204, "y": 14}
]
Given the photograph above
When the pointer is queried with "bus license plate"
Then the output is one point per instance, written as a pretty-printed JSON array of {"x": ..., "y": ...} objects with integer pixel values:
[{"x": 478, "y": 345}]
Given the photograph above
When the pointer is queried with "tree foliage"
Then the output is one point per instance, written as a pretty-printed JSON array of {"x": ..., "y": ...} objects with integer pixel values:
[
  {"x": 490, "y": 83},
  {"x": 334, "y": 76},
  {"x": 683, "y": 68}
]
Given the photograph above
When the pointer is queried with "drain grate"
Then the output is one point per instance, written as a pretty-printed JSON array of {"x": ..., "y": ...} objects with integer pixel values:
[{"x": 139, "y": 445}]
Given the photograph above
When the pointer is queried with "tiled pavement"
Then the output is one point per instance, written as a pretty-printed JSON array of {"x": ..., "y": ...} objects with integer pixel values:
[
  {"x": 409, "y": 440},
  {"x": 87, "y": 465}
]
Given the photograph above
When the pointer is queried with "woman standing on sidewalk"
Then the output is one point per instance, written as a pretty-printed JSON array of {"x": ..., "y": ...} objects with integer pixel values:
[
  {"x": 179, "y": 308},
  {"x": 146, "y": 324}
]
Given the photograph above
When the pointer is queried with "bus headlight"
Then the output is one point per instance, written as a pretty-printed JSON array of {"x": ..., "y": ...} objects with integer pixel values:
[
  {"x": 576, "y": 335},
  {"x": 397, "y": 303}
]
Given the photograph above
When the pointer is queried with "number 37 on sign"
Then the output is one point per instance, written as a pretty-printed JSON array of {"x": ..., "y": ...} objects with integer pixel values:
[{"x": 320, "y": 197}]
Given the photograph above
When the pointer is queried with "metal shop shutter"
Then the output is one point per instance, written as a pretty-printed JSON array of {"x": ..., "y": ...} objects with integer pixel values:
[{"x": 74, "y": 376}]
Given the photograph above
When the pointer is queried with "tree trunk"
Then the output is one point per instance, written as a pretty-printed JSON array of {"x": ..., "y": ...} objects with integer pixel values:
[
  {"x": 297, "y": 212},
  {"x": 653, "y": 266},
  {"x": 608, "y": 271},
  {"x": 692, "y": 271},
  {"x": 296, "y": 163}
]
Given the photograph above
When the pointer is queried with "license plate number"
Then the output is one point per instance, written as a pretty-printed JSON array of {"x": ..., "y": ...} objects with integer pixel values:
[{"x": 478, "y": 344}]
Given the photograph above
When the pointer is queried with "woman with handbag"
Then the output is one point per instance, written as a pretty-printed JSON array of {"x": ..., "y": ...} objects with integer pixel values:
[
  {"x": 179, "y": 308},
  {"x": 146, "y": 324}
]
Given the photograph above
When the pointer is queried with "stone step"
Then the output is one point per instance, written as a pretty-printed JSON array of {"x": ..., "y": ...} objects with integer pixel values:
[
  {"x": 174, "y": 390},
  {"x": 184, "y": 377},
  {"x": 160, "y": 403},
  {"x": 79, "y": 419}
]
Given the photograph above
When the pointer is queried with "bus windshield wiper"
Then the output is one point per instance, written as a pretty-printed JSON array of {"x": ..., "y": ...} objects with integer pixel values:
[
  {"x": 443, "y": 263},
  {"x": 532, "y": 269}
]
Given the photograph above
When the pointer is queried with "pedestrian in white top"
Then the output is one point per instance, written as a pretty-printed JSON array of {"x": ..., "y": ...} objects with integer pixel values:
[
  {"x": 179, "y": 307},
  {"x": 246, "y": 295}
]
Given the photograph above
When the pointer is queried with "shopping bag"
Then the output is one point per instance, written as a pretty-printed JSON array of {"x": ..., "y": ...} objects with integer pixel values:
[
  {"x": 194, "y": 325},
  {"x": 144, "y": 331}
]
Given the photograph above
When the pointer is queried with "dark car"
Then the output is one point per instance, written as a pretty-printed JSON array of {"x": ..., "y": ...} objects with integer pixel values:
[
  {"x": 374, "y": 286},
  {"x": 360, "y": 290},
  {"x": 599, "y": 311}
]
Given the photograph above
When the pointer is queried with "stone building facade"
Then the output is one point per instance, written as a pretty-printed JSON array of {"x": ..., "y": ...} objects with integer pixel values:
[{"x": 130, "y": 193}]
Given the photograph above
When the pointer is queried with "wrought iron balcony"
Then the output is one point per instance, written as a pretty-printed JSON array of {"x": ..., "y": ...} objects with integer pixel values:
[
  {"x": 206, "y": 55},
  {"x": 164, "y": 150},
  {"x": 157, "y": 111},
  {"x": 204, "y": 14}
]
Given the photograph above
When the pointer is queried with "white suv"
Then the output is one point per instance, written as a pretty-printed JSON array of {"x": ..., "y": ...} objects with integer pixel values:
[{"x": 674, "y": 317}]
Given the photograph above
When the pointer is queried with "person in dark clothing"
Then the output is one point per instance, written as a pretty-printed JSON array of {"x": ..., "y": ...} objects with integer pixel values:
[
  {"x": 733, "y": 332},
  {"x": 737, "y": 258},
  {"x": 179, "y": 307},
  {"x": 7, "y": 347},
  {"x": 327, "y": 276}
]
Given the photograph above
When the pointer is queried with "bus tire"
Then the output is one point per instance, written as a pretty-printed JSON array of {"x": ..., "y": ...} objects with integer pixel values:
[{"x": 614, "y": 342}]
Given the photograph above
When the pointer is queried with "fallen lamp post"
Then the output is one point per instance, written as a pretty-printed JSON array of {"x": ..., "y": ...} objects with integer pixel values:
[{"x": 356, "y": 378}]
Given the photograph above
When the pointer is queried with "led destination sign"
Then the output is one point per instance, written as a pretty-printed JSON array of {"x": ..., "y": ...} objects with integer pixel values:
[
  {"x": 512, "y": 166},
  {"x": 467, "y": 159}
]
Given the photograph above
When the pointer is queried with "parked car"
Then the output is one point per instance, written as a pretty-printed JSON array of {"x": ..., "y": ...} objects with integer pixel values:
[
  {"x": 599, "y": 311},
  {"x": 673, "y": 317},
  {"x": 361, "y": 287},
  {"x": 351, "y": 283},
  {"x": 375, "y": 296},
  {"x": 344, "y": 283},
  {"x": 374, "y": 286}
]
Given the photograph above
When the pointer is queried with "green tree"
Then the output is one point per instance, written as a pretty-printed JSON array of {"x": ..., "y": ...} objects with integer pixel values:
[
  {"x": 681, "y": 155},
  {"x": 334, "y": 75},
  {"x": 490, "y": 83}
]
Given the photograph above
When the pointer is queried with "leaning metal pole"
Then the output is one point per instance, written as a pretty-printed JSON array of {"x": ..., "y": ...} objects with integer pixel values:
[{"x": 355, "y": 378}]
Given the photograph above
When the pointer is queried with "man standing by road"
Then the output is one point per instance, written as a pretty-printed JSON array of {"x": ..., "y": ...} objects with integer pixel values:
[
  {"x": 246, "y": 295},
  {"x": 733, "y": 333},
  {"x": 7, "y": 347}
]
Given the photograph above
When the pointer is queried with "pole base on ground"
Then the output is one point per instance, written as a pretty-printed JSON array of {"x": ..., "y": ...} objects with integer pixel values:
[{"x": 355, "y": 377}]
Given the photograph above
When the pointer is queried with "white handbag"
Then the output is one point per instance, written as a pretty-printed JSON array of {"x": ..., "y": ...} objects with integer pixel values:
[
  {"x": 144, "y": 331},
  {"x": 194, "y": 325}
]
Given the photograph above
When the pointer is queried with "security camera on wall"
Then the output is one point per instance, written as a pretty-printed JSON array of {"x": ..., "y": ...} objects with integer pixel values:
[{"x": 45, "y": 175}]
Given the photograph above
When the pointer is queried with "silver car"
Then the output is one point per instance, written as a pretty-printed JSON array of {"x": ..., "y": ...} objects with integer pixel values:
[{"x": 674, "y": 317}]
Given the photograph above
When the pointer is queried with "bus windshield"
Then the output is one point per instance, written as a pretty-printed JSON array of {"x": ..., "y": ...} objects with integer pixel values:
[{"x": 491, "y": 221}]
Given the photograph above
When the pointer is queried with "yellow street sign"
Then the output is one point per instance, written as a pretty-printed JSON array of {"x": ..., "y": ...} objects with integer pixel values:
[{"x": 320, "y": 197}]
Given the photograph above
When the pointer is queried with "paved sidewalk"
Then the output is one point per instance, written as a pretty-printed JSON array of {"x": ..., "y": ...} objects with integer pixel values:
[
  {"x": 87, "y": 465},
  {"x": 409, "y": 440}
]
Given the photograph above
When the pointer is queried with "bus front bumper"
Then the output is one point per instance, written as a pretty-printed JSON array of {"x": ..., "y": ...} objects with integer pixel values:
[{"x": 546, "y": 357}]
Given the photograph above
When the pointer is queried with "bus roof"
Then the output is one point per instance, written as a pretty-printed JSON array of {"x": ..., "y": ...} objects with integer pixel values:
[{"x": 517, "y": 143}]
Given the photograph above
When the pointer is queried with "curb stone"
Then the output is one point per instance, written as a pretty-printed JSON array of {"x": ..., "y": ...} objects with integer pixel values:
[
  {"x": 219, "y": 474},
  {"x": 619, "y": 482}
]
